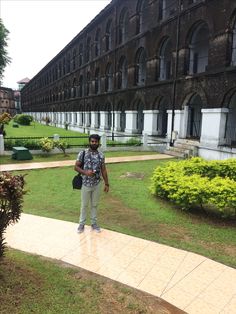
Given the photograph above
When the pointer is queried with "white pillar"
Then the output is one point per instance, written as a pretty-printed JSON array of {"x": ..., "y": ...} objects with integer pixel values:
[
  {"x": 93, "y": 121},
  {"x": 103, "y": 120},
  {"x": 169, "y": 123},
  {"x": 1, "y": 144},
  {"x": 117, "y": 120},
  {"x": 213, "y": 126},
  {"x": 150, "y": 122},
  {"x": 131, "y": 122}
]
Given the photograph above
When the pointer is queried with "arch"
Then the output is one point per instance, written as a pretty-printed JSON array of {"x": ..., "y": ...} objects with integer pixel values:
[
  {"x": 108, "y": 77},
  {"x": 230, "y": 131},
  {"x": 140, "y": 67},
  {"x": 88, "y": 83},
  {"x": 97, "y": 43},
  {"x": 165, "y": 57},
  {"x": 162, "y": 104},
  {"x": 88, "y": 49},
  {"x": 108, "y": 36},
  {"x": 123, "y": 25},
  {"x": 121, "y": 108},
  {"x": 97, "y": 81},
  {"x": 122, "y": 72},
  {"x": 194, "y": 104},
  {"x": 141, "y": 11},
  {"x": 80, "y": 54},
  {"x": 198, "y": 47}
]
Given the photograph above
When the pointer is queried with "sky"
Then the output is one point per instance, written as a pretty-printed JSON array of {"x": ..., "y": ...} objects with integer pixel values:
[{"x": 39, "y": 30}]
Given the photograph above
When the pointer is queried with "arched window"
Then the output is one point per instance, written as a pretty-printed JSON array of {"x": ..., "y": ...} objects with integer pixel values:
[
  {"x": 108, "y": 35},
  {"x": 140, "y": 67},
  {"x": 97, "y": 43},
  {"x": 81, "y": 82},
  {"x": 167, "y": 8},
  {"x": 165, "y": 60},
  {"x": 80, "y": 54},
  {"x": 74, "y": 88},
  {"x": 108, "y": 78},
  {"x": 198, "y": 49},
  {"x": 68, "y": 64},
  {"x": 122, "y": 73},
  {"x": 64, "y": 66},
  {"x": 74, "y": 60},
  {"x": 97, "y": 81},
  {"x": 140, "y": 118},
  {"x": 108, "y": 123},
  {"x": 88, "y": 83},
  {"x": 142, "y": 7},
  {"x": 123, "y": 26},
  {"x": 121, "y": 108},
  {"x": 233, "y": 54},
  {"x": 88, "y": 49},
  {"x": 60, "y": 70}
]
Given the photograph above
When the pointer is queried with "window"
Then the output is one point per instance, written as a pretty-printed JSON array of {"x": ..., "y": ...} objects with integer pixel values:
[
  {"x": 68, "y": 64},
  {"x": 167, "y": 8},
  {"x": 108, "y": 78},
  {"x": 141, "y": 11},
  {"x": 88, "y": 83},
  {"x": 165, "y": 60},
  {"x": 80, "y": 54},
  {"x": 74, "y": 88},
  {"x": 97, "y": 81},
  {"x": 74, "y": 60},
  {"x": 108, "y": 35},
  {"x": 123, "y": 26},
  {"x": 122, "y": 73},
  {"x": 198, "y": 49},
  {"x": 233, "y": 54},
  {"x": 81, "y": 82},
  {"x": 97, "y": 43},
  {"x": 140, "y": 67},
  {"x": 88, "y": 49}
]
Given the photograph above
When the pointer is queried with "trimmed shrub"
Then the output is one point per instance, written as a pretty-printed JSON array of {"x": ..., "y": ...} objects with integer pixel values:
[
  {"x": 11, "y": 199},
  {"x": 62, "y": 145},
  {"x": 197, "y": 182},
  {"x": 23, "y": 119}
]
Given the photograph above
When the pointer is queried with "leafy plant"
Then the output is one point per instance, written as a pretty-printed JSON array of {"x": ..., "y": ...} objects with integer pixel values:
[
  {"x": 62, "y": 145},
  {"x": 11, "y": 199},
  {"x": 46, "y": 144},
  {"x": 5, "y": 118}
]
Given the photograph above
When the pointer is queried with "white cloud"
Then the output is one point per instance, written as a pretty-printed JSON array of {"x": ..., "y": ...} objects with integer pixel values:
[{"x": 39, "y": 29}]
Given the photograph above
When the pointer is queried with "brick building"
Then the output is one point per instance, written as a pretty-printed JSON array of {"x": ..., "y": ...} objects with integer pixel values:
[
  {"x": 7, "y": 101},
  {"x": 147, "y": 66}
]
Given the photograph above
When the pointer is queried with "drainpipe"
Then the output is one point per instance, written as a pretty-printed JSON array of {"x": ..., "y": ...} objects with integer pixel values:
[{"x": 174, "y": 87}]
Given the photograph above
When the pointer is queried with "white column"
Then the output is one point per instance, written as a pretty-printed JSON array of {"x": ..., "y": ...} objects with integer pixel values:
[
  {"x": 103, "y": 120},
  {"x": 169, "y": 123},
  {"x": 87, "y": 122},
  {"x": 93, "y": 121},
  {"x": 1, "y": 144},
  {"x": 131, "y": 122},
  {"x": 213, "y": 126},
  {"x": 150, "y": 122},
  {"x": 117, "y": 120}
]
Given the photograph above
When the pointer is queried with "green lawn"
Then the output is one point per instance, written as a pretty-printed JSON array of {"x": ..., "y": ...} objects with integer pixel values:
[
  {"x": 38, "y": 130},
  {"x": 130, "y": 209}
]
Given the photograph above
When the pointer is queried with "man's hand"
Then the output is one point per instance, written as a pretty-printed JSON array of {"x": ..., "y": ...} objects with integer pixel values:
[
  {"x": 106, "y": 188},
  {"x": 89, "y": 173}
]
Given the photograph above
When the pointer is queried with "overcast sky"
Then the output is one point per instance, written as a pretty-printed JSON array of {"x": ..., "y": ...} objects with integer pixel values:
[{"x": 39, "y": 29}]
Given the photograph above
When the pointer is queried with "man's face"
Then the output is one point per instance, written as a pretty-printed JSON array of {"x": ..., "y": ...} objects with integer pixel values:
[{"x": 93, "y": 144}]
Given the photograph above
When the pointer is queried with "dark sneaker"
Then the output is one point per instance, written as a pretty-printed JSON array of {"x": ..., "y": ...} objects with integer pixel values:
[
  {"x": 96, "y": 228},
  {"x": 80, "y": 228}
]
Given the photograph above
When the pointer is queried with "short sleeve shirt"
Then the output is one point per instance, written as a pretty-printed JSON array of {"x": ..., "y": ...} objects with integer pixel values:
[{"x": 92, "y": 161}]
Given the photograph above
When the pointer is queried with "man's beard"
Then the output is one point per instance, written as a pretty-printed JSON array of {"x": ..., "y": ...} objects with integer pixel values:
[{"x": 94, "y": 146}]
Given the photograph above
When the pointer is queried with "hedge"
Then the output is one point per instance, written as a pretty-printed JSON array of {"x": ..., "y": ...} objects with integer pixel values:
[{"x": 196, "y": 182}]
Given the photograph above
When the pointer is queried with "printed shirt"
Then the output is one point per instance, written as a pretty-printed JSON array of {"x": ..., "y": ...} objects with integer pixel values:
[{"x": 92, "y": 161}]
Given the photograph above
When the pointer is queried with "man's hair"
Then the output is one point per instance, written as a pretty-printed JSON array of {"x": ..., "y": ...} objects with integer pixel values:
[{"x": 95, "y": 137}]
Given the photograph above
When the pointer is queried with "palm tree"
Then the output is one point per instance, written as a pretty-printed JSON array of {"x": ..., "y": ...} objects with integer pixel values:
[{"x": 4, "y": 58}]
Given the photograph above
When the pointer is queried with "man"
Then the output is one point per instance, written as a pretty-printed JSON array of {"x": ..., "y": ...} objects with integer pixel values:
[{"x": 93, "y": 167}]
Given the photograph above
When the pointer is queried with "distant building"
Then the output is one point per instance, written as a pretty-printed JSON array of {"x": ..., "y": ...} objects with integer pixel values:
[
  {"x": 159, "y": 67},
  {"x": 7, "y": 101},
  {"x": 17, "y": 93}
]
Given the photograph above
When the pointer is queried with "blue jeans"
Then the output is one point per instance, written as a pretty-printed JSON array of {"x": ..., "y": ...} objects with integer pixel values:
[{"x": 89, "y": 195}]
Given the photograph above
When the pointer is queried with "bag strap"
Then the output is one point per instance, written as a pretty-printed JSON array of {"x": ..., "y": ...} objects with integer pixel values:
[{"x": 83, "y": 158}]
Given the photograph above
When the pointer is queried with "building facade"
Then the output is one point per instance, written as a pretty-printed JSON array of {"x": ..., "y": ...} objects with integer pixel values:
[
  {"x": 7, "y": 101},
  {"x": 147, "y": 66}
]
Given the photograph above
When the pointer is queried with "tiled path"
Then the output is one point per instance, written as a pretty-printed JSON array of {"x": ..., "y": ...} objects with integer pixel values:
[{"x": 189, "y": 281}]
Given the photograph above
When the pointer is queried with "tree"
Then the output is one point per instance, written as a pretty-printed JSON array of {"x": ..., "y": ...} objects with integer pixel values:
[
  {"x": 4, "y": 119},
  {"x": 4, "y": 58}
]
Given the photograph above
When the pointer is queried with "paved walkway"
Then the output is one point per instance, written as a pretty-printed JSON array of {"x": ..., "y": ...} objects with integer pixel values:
[{"x": 189, "y": 281}]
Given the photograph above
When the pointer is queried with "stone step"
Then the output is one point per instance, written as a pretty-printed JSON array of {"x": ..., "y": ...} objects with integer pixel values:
[
  {"x": 184, "y": 146},
  {"x": 174, "y": 153},
  {"x": 187, "y": 142}
]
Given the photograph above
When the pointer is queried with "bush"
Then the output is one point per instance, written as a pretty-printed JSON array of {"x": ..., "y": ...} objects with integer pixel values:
[
  {"x": 197, "y": 182},
  {"x": 133, "y": 142},
  {"x": 23, "y": 119},
  {"x": 62, "y": 145},
  {"x": 11, "y": 199},
  {"x": 30, "y": 144},
  {"x": 46, "y": 144}
]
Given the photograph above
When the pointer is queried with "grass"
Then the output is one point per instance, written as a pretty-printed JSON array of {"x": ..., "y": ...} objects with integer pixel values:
[
  {"x": 143, "y": 215},
  {"x": 32, "y": 284},
  {"x": 38, "y": 130}
]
